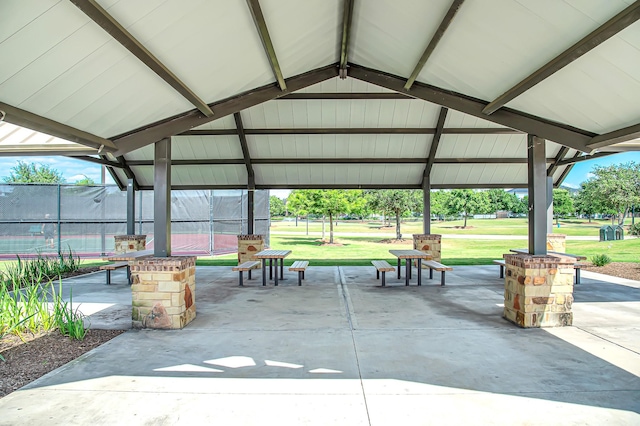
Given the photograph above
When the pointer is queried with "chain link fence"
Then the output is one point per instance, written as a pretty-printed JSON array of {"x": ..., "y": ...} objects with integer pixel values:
[{"x": 40, "y": 218}]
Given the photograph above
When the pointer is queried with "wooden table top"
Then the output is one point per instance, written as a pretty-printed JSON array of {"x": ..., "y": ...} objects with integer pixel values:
[
  {"x": 410, "y": 254},
  {"x": 133, "y": 255},
  {"x": 272, "y": 254}
]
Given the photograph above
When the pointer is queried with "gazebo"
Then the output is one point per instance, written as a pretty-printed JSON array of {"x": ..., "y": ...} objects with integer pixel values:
[{"x": 324, "y": 94}]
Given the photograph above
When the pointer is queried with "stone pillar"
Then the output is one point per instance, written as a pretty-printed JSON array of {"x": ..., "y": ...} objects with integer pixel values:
[
  {"x": 557, "y": 242},
  {"x": 129, "y": 243},
  {"x": 538, "y": 290},
  {"x": 163, "y": 292},
  {"x": 429, "y": 244},
  {"x": 248, "y": 245}
]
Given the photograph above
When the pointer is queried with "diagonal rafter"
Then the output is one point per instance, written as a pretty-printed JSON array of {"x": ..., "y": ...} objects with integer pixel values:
[
  {"x": 128, "y": 172},
  {"x": 347, "y": 17},
  {"x": 617, "y": 136},
  {"x": 261, "y": 26},
  {"x": 564, "y": 135},
  {"x": 446, "y": 21},
  {"x": 436, "y": 141},
  {"x": 554, "y": 166},
  {"x": 101, "y": 17},
  {"x": 610, "y": 28},
  {"x": 113, "y": 174},
  {"x": 97, "y": 160},
  {"x": 23, "y": 118},
  {"x": 186, "y": 121},
  {"x": 251, "y": 177}
]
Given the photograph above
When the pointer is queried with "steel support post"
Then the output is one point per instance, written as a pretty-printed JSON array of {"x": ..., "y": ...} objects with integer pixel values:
[
  {"x": 250, "y": 211},
  {"x": 426, "y": 205},
  {"x": 537, "y": 184},
  {"x": 549, "y": 205},
  {"x": 131, "y": 208},
  {"x": 162, "y": 198}
]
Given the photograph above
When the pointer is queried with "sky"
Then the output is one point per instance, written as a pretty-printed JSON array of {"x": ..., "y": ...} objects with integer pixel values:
[{"x": 74, "y": 170}]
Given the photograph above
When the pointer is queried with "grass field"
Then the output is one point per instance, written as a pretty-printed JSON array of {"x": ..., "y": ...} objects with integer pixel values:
[
  {"x": 364, "y": 242},
  {"x": 360, "y": 250}
]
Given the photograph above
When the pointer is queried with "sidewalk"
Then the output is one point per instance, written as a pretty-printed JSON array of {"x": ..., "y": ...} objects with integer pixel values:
[{"x": 341, "y": 350}]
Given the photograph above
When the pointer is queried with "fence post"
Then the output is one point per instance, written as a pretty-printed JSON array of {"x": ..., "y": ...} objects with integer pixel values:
[
  {"x": 211, "y": 242},
  {"x": 59, "y": 221}
]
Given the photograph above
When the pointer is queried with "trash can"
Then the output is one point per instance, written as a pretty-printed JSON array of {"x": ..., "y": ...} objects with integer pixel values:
[
  {"x": 618, "y": 232},
  {"x": 606, "y": 233}
]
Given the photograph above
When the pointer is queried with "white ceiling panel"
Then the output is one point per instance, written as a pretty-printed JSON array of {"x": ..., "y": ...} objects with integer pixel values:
[
  {"x": 518, "y": 37},
  {"x": 347, "y": 85},
  {"x": 391, "y": 35},
  {"x": 197, "y": 175},
  {"x": 144, "y": 153},
  {"x": 198, "y": 40},
  {"x": 226, "y": 122},
  {"x": 457, "y": 119},
  {"x": 338, "y": 174},
  {"x": 359, "y": 113},
  {"x": 201, "y": 147},
  {"x": 80, "y": 76},
  {"x": 305, "y": 34},
  {"x": 599, "y": 92},
  {"x": 474, "y": 174},
  {"x": 338, "y": 146},
  {"x": 482, "y": 146}
]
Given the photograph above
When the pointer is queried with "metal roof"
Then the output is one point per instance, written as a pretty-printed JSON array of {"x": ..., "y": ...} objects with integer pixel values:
[{"x": 321, "y": 93}]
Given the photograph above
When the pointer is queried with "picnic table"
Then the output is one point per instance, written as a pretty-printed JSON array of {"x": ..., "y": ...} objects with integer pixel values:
[
  {"x": 408, "y": 256},
  {"x": 272, "y": 255},
  {"x": 128, "y": 257}
]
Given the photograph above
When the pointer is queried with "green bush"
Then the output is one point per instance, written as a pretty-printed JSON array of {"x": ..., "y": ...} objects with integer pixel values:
[
  {"x": 634, "y": 229},
  {"x": 600, "y": 260}
]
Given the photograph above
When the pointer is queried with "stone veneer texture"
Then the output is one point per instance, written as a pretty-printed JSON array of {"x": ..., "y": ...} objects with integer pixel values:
[
  {"x": 538, "y": 290},
  {"x": 129, "y": 243},
  {"x": 248, "y": 245},
  {"x": 430, "y": 244},
  {"x": 557, "y": 242},
  {"x": 163, "y": 292}
]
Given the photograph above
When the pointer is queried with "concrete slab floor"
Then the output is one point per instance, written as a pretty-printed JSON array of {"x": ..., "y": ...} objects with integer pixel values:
[{"x": 341, "y": 349}]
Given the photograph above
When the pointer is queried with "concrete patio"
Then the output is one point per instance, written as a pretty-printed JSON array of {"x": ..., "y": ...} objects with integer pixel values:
[{"x": 343, "y": 350}]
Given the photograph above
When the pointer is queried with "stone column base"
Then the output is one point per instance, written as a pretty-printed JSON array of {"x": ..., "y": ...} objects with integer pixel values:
[
  {"x": 163, "y": 292},
  {"x": 129, "y": 243},
  {"x": 557, "y": 242},
  {"x": 429, "y": 244},
  {"x": 248, "y": 245},
  {"x": 538, "y": 290}
]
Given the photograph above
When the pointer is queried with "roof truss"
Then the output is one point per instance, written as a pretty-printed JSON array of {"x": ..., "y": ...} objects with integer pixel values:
[
  {"x": 346, "y": 31},
  {"x": 251, "y": 180},
  {"x": 610, "y": 28},
  {"x": 446, "y": 21},
  {"x": 261, "y": 26},
  {"x": 101, "y": 17}
]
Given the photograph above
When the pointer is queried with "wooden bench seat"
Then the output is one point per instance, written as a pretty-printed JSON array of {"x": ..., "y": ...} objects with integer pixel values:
[
  {"x": 299, "y": 266},
  {"x": 382, "y": 266},
  {"x": 433, "y": 265},
  {"x": 246, "y": 266},
  {"x": 112, "y": 267}
]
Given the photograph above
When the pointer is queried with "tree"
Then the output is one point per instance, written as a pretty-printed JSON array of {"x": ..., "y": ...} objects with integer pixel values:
[
  {"x": 85, "y": 181},
  {"x": 31, "y": 173},
  {"x": 617, "y": 187},
  {"x": 439, "y": 202},
  {"x": 562, "y": 204},
  {"x": 499, "y": 199},
  {"x": 394, "y": 202},
  {"x": 587, "y": 201},
  {"x": 468, "y": 203},
  {"x": 324, "y": 202},
  {"x": 276, "y": 206}
]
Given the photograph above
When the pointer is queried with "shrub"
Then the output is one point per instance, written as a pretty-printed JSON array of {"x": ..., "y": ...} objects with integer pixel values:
[
  {"x": 600, "y": 260},
  {"x": 634, "y": 229}
]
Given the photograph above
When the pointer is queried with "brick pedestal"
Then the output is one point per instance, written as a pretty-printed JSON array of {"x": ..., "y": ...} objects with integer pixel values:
[
  {"x": 557, "y": 242},
  {"x": 248, "y": 245},
  {"x": 538, "y": 290},
  {"x": 429, "y": 244},
  {"x": 163, "y": 292},
  {"x": 129, "y": 243}
]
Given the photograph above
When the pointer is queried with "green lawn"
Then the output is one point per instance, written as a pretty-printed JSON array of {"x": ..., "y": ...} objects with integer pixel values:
[{"x": 571, "y": 227}]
